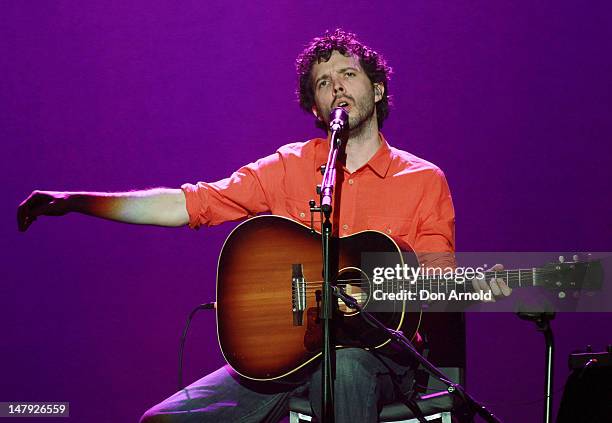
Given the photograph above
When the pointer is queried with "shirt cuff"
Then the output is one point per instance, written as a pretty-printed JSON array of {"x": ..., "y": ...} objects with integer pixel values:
[{"x": 195, "y": 203}]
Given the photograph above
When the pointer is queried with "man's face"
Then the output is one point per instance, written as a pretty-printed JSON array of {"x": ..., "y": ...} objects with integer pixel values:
[{"x": 342, "y": 82}]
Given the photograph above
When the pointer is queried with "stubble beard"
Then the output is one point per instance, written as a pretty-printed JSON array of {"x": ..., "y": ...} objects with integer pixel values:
[{"x": 361, "y": 124}]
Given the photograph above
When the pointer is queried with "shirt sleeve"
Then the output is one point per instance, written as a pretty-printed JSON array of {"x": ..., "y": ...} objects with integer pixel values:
[
  {"x": 247, "y": 192},
  {"x": 435, "y": 240}
]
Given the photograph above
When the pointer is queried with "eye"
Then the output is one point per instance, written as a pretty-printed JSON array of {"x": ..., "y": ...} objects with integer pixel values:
[
  {"x": 323, "y": 83},
  {"x": 350, "y": 74}
]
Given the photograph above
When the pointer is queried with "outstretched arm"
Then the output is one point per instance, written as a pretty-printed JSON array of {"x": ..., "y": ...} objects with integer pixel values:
[{"x": 158, "y": 206}]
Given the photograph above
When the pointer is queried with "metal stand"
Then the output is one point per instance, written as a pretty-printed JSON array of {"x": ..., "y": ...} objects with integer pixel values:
[
  {"x": 327, "y": 310},
  {"x": 542, "y": 321},
  {"x": 399, "y": 338}
]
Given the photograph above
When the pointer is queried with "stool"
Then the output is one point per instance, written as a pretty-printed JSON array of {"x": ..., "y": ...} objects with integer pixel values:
[
  {"x": 444, "y": 337},
  {"x": 437, "y": 407}
]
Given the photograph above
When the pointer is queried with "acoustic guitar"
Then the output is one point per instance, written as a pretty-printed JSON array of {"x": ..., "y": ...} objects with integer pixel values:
[{"x": 269, "y": 281}]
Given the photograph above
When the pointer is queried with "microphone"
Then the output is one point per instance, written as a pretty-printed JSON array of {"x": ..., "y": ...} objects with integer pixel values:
[{"x": 338, "y": 120}]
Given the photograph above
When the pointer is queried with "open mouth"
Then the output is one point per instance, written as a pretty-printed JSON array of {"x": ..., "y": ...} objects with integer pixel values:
[{"x": 342, "y": 104}]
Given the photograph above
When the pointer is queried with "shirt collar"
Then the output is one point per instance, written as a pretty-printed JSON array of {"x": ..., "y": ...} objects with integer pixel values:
[{"x": 379, "y": 163}]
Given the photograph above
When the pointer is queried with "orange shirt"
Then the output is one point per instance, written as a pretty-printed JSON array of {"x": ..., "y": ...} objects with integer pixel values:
[{"x": 395, "y": 192}]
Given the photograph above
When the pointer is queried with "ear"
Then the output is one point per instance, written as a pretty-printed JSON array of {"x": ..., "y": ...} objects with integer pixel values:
[
  {"x": 379, "y": 90},
  {"x": 315, "y": 112}
]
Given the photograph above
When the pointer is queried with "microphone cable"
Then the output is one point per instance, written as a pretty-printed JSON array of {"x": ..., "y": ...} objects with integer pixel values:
[{"x": 207, "y": 306}]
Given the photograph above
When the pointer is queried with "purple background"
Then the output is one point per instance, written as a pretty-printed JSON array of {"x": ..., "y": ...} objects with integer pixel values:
[{"x": 513, "y": 101}]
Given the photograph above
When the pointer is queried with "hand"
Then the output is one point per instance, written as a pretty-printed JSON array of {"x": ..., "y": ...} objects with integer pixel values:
[
  {"x": 48, "y": 203},
  {"x": 497, "y": 286}
]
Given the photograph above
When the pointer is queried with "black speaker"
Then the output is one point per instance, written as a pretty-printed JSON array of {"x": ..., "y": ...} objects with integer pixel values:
[{"x": 587, "y": 397}]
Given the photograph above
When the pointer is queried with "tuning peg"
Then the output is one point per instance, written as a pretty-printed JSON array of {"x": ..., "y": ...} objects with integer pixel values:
[
  {"x": 561, "y": 259},
  {"x": 582, "y": 257}
]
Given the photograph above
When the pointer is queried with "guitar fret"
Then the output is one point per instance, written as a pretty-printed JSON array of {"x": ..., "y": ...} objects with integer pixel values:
[{"x": 436, "y": 284}]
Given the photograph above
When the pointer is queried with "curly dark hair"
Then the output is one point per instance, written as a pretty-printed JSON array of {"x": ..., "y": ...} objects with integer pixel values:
[{"x": 321, "y": 48}]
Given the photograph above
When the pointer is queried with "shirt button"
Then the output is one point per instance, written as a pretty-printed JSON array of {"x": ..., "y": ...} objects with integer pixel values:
[
  {"x": 345, "y": 226},
  {"x": 351, "y": 182},
  {"x": 302, "y": 214},
  {"x": 389, "y": 231}
]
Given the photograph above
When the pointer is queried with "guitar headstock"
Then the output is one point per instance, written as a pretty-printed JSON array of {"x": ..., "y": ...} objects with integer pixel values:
[{"x": 577, "y": 274}]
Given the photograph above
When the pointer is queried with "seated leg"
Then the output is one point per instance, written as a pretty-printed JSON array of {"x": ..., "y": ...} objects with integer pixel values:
[
  {"x": 364, "y": 383},
  {"x": 223, "y": 396}
]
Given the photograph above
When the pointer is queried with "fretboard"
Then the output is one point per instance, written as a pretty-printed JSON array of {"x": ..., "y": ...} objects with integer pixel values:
[{"x": 515, "y": 278}]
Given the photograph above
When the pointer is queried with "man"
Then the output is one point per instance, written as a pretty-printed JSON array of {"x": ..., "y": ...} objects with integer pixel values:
[{"x": 382, "y": 188}]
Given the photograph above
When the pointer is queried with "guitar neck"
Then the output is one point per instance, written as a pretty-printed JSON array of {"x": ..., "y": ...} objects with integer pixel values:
[{"x": 514, "y": 278}]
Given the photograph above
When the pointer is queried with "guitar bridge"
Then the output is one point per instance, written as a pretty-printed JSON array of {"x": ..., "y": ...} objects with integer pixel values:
[{"x": 298, "y": 294}]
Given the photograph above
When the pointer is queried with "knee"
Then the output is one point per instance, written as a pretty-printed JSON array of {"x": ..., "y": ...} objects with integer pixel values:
[
  {"x": 151, "y": 416},
  {"x": 354, "y": 365}
]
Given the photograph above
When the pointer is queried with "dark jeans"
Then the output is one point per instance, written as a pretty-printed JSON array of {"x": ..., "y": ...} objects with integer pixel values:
[{"x": 364, "y": 382}]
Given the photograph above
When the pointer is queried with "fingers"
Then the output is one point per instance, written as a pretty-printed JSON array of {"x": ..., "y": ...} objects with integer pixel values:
[
  {"x": 24, "y": 217},
  {"x": 505, "y": 289},
  {"x": 495, "y": 287},
  {"x": 498, "y": 285},
  {"x": 36, "y": 204},
  {"x": 23, "y": 223},
  {"x": 481, "y": 285}
]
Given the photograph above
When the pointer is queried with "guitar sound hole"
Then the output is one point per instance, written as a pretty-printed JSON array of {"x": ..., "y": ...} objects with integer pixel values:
[{"x": 356, "y": 284}]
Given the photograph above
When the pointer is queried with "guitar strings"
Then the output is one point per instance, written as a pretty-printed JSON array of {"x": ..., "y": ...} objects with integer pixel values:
[
  {"x": 509, "y": 276},
  {"x": 500, "y": 274},
  {"x": 497, "y": 275}
]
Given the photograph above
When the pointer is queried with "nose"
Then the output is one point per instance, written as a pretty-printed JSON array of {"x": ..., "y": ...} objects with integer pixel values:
[{"x": 338, "y": 87}]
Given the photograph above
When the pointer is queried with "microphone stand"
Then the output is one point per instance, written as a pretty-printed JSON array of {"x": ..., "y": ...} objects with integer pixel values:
[
  {"x": 326, "y": 311},
  {"x": 401, "y": 340},
  {"x": 542, "y": 320}
]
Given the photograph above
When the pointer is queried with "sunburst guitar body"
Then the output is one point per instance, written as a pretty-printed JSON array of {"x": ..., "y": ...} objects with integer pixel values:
[{"x": 268, "y": 286}]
